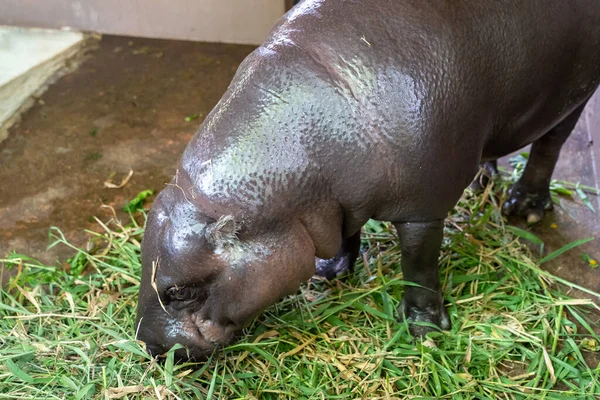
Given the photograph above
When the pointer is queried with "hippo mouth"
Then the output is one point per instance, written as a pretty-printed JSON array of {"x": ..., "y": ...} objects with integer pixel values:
[
  {"x": 215, "y": 334},
  {"x": 200, "y": 338}
]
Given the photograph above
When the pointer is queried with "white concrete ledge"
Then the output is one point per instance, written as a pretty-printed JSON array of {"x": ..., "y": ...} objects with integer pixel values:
[{"x": 31, "y": 60}]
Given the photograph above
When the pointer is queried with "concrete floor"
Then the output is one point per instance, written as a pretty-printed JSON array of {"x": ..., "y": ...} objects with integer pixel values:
[{"x": 126, "y": 108}]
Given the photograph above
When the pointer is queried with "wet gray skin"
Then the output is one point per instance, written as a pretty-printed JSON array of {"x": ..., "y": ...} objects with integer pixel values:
[{"x": 353, "y": 110}]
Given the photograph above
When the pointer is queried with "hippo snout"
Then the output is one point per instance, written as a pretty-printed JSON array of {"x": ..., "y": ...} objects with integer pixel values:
[{"x": 199, "y": 336}]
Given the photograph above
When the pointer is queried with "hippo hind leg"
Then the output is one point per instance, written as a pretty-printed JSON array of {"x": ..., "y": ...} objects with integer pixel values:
[
  {"x": 344, "y": 260},
  {"x": 530, "y": 196}
]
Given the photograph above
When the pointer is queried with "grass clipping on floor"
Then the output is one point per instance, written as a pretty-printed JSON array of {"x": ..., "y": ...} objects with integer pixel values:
[{"x": 514, "y": 335}]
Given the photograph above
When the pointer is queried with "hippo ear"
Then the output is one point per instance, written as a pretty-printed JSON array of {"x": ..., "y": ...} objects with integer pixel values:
[{"x": 222, "y": 232}]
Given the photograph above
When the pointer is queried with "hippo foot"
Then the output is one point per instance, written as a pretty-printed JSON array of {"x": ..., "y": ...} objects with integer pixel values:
[
  {"x": 488, "y": 171},
  {"x": 334, "y": 267},
  {"x": 421, "y": 319},
  {"x": 527, "y": 203}
]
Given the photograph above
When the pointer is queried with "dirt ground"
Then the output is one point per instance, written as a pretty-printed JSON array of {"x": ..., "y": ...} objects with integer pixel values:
[{"x": 126, "y": 108}]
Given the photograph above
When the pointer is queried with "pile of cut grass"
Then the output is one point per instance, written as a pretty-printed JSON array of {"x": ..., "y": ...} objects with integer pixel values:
[{"x": 70, "y": 333}]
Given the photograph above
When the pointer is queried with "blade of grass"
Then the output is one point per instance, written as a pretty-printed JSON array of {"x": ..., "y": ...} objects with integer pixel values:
[{"x": 564, "y": 249}]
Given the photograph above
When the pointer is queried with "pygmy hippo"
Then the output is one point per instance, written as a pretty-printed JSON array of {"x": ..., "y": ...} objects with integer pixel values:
[{"x": 353, "y": 110}]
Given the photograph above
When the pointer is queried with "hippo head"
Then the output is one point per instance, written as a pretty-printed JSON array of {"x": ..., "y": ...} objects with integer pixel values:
[{"x": 204, "y": 278}]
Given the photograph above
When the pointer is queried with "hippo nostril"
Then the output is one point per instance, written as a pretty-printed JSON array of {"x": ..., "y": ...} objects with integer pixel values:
[
  {"x": 198, "y": 320},
  {"x": 230, "y": 325}
]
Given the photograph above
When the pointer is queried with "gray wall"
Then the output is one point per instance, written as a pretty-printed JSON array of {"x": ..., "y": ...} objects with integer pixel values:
[{"x": 232, "y": 21}]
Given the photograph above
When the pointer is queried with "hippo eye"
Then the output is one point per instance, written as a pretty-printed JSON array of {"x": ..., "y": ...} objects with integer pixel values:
[{"x": 179, "y": 293}]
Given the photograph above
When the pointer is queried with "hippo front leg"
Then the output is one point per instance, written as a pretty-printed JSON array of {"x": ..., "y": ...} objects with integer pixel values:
[
  {"x": 344, "y": 260},
  {"x": 420, "y": 243},
  {"x": 530, "y": 196}
]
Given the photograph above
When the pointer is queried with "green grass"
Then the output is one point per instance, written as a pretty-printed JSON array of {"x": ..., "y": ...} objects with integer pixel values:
[{"x": 69, "y": 333}]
